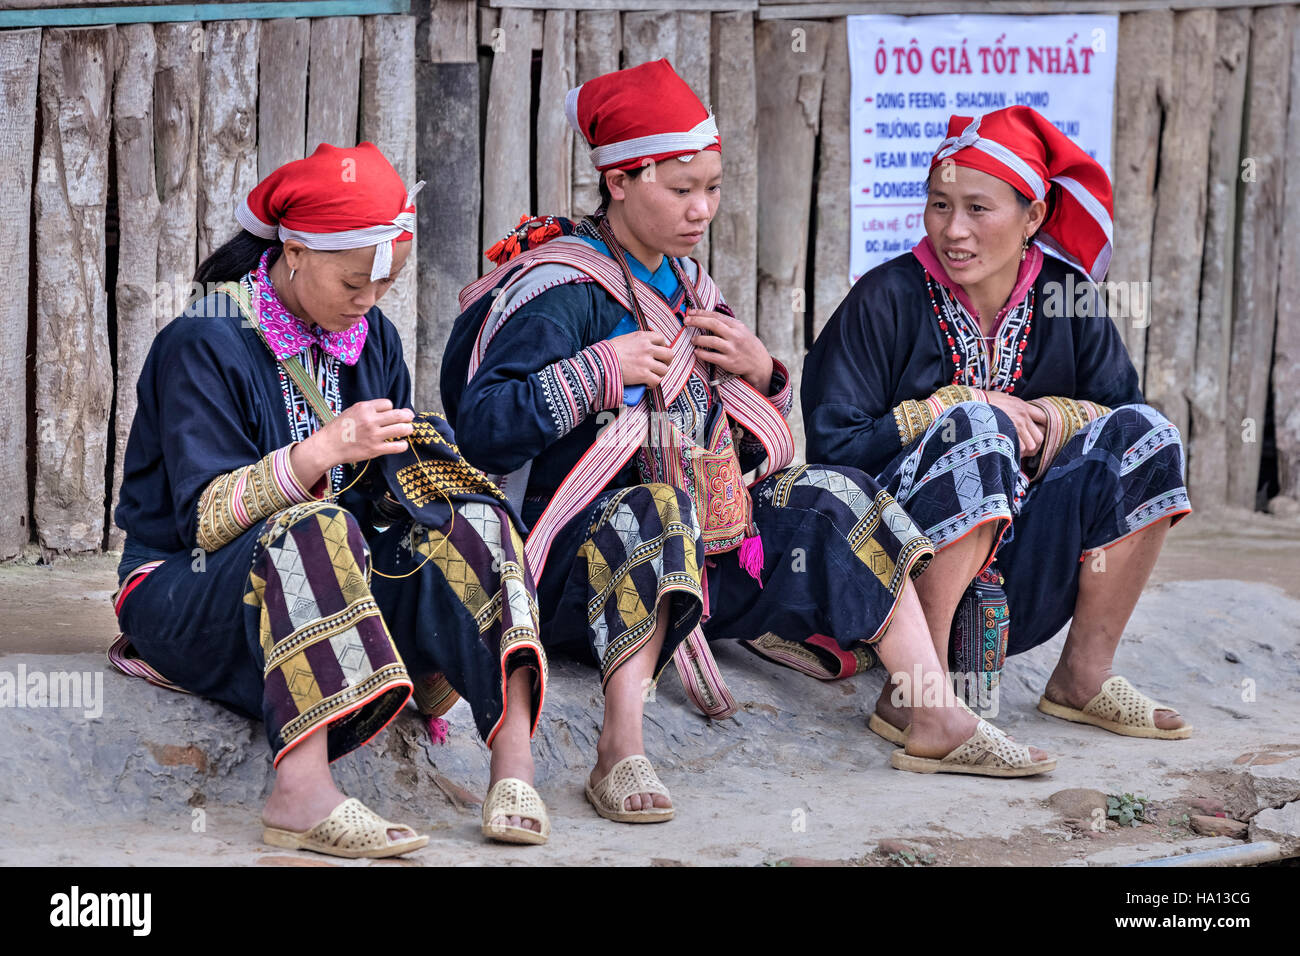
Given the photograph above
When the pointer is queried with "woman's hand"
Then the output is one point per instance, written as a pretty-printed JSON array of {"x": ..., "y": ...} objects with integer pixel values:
[
  {"x": 1030, "y": 420},
  {"x": 365, "y": 430},
  {"x": 731, "y": 346},
  {"x": 643, "y": 357}
]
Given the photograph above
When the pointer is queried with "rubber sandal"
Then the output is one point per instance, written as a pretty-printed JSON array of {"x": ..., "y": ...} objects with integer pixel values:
[
  {"x": 630, "y": 775},
  {"x": 511, "y": 797},
  {"x": 352, "y": 830},
  {"x": 883, "y": 728},
  {"x": 1120, "y": 708},
  {"x": 988, "y": 752}
]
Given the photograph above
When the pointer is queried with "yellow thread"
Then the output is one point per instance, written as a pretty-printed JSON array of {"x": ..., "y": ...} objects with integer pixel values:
[{"x": 428, "y": 557}]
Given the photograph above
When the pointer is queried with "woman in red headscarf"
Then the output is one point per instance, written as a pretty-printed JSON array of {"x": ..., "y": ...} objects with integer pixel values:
[
  {"x": 255, "y": 515},
  {"x": 600, "y": 371},
  {"x": 983, "y": 383}
]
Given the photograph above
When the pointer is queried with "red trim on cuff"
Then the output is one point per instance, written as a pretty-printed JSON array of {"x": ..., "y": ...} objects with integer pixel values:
[
  {"x": 287, "y": 480},
  {"x": 606, "y": 358}
]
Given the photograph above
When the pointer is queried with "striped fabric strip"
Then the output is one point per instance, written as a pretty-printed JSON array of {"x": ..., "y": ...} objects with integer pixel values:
[
  {"x": 701, "y": 678},
  {"x": 603, "y": 460},
  {"x": 122, "y": 657},
  {"x": 612, "y": 376}
]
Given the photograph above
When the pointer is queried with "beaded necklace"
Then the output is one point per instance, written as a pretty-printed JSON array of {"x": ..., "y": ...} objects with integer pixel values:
[{"x": 971, "y": 362}]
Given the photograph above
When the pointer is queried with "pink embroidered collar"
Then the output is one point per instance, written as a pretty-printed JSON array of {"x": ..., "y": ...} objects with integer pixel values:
[
  {"x": 288, "y": 335},
  {"x": 1029, "y": 269}
]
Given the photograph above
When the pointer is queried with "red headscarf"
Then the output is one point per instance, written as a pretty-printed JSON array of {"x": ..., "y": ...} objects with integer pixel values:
[
  {"x": 335, "y": 199},
  {"x": 646, "y": 112},
  {"x": 1021, "y": 147}
]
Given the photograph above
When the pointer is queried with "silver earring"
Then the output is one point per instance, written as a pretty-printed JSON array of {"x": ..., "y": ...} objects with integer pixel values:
[{"x": 292, "y": 273}]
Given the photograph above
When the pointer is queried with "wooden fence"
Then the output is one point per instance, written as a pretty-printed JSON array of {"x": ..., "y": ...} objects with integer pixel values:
[{"x": 128, "y": 146}]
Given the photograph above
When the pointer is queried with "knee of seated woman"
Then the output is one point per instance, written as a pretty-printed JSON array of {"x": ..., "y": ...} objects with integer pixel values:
[
  {"x": 312, "y": 512},
  {"x": 672, "y": 504},
  {"x": 1139, "y": 419},
  {"x": 975, "y": 419}
]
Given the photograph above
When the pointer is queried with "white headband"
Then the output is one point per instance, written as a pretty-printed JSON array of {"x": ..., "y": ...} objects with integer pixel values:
[{"x": 381, "y": 236}]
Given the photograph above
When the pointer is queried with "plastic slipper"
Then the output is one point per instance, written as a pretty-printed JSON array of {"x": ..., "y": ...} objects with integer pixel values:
[
  {"x": 630, "y": 775},
  {"x": 1120, "y": 708},
  {"x": 351, "y": 831},
  {"x": 883, "y": 728},
  {"x": 511, "y": 797},
  {"x": 988, "y": 752}
]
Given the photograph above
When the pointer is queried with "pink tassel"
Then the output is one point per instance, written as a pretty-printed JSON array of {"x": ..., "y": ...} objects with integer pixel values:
[
  {"x": 437, "y": 730},
  {"x": 751, "y": 557}
]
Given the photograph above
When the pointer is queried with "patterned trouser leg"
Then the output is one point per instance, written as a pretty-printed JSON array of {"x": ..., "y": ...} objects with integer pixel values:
[
  {"x": 838, "y": 551},
  {"x": 463, "y": 610},
  {"x": 1116, "y": 477},
  {"x": 963, "y": 472},
  {"x": 611, "y": 569},
  {"x": 328, "y": 656}
]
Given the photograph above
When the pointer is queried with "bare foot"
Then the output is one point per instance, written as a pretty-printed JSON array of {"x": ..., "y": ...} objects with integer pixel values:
[
  {"x": 610, "y": 753},
  {"x": 511, "y": 751},
  {"x": 938, "y": 731},
  {"x": 1078, "y": 689},
  {"x": 299, "y": 809},
  {"x": 897, "y": 717}
]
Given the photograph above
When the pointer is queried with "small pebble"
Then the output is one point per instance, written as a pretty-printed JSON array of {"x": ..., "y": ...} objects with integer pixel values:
[{"x": 1231, "y": 658}]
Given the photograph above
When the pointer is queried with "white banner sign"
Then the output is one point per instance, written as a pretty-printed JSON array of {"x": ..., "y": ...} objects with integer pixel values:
[{"x": 909, "y": 74}]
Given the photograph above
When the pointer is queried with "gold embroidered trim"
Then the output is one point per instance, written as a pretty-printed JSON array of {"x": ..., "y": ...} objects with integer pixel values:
[
  {"x": 236, "y": 501},
  {"x": 914, "y": 416}
]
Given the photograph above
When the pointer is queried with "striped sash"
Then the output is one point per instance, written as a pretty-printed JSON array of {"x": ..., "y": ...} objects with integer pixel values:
[{"x": 618, "y": 442}]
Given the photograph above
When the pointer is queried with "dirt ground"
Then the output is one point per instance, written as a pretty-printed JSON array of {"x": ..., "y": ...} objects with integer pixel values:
[{"x": 772, "y": 786}]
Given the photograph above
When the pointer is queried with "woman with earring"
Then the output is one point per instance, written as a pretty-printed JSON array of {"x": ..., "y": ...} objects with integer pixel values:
[
  {"x": 984, "y": 385},
  {"x": 261, "y": 571},
  {"x": 599, "y": 369}
]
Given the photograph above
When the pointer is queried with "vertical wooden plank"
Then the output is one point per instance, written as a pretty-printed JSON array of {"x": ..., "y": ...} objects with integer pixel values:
[
  {"x": 692, "y": 63},
  {"x": 282, "y": 93},
  {"x": 227, "y": 129},
  {"x": 692, "y": 59},
  {"x": 1142, "y": 74},
  {"x": 831, "y": 243},
  {"x": 735, "y": 228},
  {"x": 388, "y": 121},
  {"x": 1179, "y": 231},
  {"x": 1286, "y": 356},
  {"x": 648, "y": 36},
  {"x": 20, "y": 53},
  {"x": 446, "y": 31},
  {"x": 1207, "y": 461},
  {"x": 507, "y": 137},
  {"x": 598, "y": 51},
  {"x": 335, "y": 63},
  {"x": 176, "y": 147},
  {"x": 74, "y": 377},
  {"x": 447, "y": 158},
  {"x": 790, "y": 56},
  {"x": 138, "y": 229},
  {"x": 1259, "y": 209},
  {"x": 554, "y": 135}
]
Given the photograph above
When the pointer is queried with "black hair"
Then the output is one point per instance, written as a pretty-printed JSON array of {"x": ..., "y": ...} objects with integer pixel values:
[
  {"x": 605, "y": 197},
  {"x": 235, "y": 259}
]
